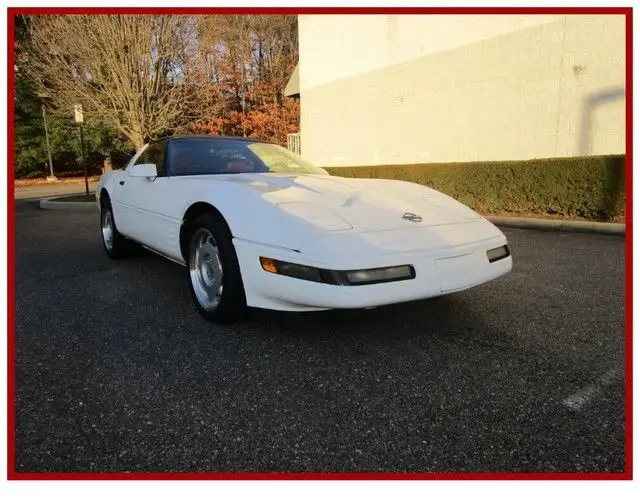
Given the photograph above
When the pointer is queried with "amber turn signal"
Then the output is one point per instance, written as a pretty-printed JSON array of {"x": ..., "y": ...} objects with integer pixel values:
[{"x": 269, "y": 265}]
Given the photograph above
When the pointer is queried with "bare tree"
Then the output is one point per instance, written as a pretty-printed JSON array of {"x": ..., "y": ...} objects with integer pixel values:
[
  {"x": 138, "y": 73},
  {"x": 249, "y": 50}
]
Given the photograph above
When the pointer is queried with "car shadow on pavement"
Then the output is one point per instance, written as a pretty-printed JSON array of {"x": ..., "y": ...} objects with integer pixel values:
[
  {"x": 452, "y": 315},
  {"x": 434, "y": 313}
]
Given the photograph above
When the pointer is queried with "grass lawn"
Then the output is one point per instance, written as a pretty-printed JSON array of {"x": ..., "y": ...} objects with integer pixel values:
[{"x": 61, "y": 180}]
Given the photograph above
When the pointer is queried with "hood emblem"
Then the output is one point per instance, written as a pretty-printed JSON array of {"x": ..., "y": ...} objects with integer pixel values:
[{"x": 412, "y": 217}]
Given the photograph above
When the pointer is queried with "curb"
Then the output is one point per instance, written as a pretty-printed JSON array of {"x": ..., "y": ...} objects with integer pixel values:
[
  {"x": 560, "y": 225},
  {"x": 82, "y": 206}
]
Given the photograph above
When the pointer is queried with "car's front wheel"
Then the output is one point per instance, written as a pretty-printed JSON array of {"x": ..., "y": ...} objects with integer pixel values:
[
  {"x": 215, "y": 281},
  {"x": 115, "y": 245}
]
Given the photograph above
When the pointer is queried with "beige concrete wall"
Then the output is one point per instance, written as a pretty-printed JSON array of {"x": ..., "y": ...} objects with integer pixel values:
[{"x": 411, "y": 89}]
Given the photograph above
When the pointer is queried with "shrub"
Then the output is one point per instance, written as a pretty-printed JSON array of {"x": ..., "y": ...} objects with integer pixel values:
[{"x": 589, "y": 187}]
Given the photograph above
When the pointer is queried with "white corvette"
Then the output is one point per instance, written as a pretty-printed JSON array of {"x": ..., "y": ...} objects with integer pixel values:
[{"x": 256, "y": 225}]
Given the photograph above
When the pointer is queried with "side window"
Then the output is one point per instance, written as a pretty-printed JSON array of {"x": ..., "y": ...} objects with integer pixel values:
[{"x": 154, "y": 154}]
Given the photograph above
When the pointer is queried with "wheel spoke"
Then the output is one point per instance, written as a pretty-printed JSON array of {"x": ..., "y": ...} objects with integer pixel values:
[{"x": 211, "y": 290}]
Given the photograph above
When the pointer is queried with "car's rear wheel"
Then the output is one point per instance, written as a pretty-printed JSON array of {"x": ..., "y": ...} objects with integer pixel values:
[
  {"x": 115, "y": 245},
  {"x": 215, "y": 281}
]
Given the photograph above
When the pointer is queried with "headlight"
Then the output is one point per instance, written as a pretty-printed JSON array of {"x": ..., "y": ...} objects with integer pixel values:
[
  {"x": 338, "y": 277},
  {"x": 380, "y": 275}
]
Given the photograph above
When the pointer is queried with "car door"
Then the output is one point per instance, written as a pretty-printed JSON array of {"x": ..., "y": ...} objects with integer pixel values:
[{"x": 142, "y": 215}]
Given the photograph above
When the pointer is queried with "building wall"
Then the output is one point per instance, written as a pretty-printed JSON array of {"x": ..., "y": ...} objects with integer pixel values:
[{"x": 436, "y": 88}]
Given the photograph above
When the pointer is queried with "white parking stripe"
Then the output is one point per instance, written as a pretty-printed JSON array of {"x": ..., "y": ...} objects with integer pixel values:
[{"x": 579, "y": 399}]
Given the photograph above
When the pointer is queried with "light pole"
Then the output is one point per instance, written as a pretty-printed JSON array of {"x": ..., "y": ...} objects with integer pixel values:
[
  {"x": 43, "y": 97},
  {"x": 77, "y": 109}
]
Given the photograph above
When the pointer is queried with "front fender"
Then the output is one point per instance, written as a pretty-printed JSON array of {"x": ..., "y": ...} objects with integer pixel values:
[{"x": 251, "y": 217}]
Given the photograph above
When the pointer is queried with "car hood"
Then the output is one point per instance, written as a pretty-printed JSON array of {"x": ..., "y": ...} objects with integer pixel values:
[{"x": 360, "y": 205}]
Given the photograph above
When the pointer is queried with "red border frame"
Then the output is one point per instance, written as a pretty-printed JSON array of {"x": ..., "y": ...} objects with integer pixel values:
[
  {"x": 629, "y": 242},
  {"x": 14, "y": 475}
]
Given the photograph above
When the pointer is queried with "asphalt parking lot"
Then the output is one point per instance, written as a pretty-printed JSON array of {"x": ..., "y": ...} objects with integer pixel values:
[{"x": 115, "y": 371}]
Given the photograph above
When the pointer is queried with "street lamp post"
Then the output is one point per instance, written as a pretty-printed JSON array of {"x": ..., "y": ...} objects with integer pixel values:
[
  {"x": 44, "y": 97},
  {"x": 77, "y": 109}
]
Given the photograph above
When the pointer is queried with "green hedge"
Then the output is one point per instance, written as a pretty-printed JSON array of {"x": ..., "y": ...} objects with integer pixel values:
[{"x": 588, "y": 187}]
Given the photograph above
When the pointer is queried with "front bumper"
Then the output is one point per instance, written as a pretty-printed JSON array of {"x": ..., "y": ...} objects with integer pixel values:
[{"x": 436, "y": 273}]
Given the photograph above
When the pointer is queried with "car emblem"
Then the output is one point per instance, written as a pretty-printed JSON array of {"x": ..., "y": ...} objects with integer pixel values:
[{"x": 412, "y": 217}]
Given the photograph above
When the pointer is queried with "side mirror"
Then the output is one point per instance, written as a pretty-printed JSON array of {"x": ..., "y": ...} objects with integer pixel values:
[{"x": 148, "y": 170}]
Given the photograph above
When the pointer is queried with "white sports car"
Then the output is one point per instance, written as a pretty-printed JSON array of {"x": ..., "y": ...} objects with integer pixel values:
[{"x": 256, "y": 225}]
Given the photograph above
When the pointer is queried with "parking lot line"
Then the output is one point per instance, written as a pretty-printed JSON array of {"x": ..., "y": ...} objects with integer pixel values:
[{"x": 578, "y": 400}]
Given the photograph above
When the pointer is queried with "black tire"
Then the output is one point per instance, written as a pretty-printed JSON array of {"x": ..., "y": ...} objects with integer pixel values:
[
  {"x": 230, "y": 303},
  {"x": 118, "y": 247}
]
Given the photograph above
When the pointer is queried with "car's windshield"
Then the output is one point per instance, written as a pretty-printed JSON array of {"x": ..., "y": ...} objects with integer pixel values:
[{"x": 200, "y": 156}]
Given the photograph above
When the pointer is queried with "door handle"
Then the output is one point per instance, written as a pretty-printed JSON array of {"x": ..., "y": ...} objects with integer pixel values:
[{"x": 122, "y": 182}]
